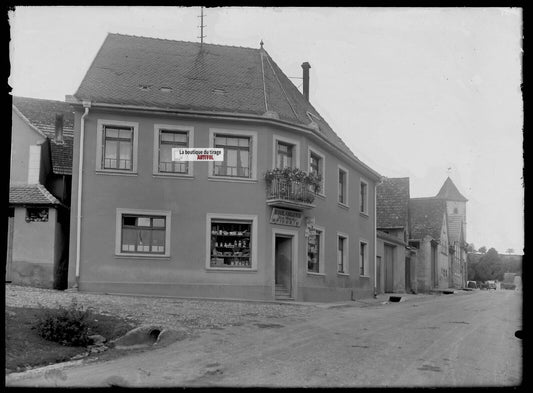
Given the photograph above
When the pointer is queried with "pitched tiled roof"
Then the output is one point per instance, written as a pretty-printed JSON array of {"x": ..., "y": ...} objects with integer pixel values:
[
  {"x": 153, "y": 72},
  {"x": 42, "y": 114},
  {"x": 30, "y": 194},
  {"x": 392, "y": 202},
  {"x": 425, "y": 217},
  {"x": 450, "y": 192}
]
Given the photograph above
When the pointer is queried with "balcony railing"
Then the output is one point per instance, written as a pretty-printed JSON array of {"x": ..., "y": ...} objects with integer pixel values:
[{"x": 288, "y": 193}]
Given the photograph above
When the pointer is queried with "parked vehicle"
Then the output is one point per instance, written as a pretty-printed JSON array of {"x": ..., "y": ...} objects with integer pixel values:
[
  {"x": 471, "y": 284},
  {"x": 491, "y": 284}
]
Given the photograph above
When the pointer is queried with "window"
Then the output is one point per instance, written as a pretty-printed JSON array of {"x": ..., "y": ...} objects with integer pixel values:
[
  {"x": 36, "y": 214},
  {"x": 343, "y": 186},
  {"x": 364, "y": 197},
  {"x": 342, "y": 256},
  {"x": 166, "y": 138},
  {"x": 455, "y": 211},
  {"x": 231, "y": 242},
  {"x": 315, "y": 252},
  {"x": 143, "y": 232},
  {"x": 237, "y": 159},
  {"x": 116, "y": 146},
  {"x": 363, "y": 258},
  {"x": 316, "y": 166},
  {"x": 284, "y": 155}
]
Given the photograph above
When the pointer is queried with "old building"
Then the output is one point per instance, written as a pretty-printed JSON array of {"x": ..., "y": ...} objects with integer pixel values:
[
  {"x": 437, "y": 228},
  {"x": 395, "y": 270},
  {"x": 237, "y": 228},
  {"x": 39, "y": 192}
]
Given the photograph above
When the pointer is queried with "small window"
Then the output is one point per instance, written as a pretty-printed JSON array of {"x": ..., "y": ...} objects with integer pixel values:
[
  {"x": 455, "y": 211},
  {"x": 284, "y": 155},
  {"x": 364, "y": 197},
  {"x": 231, "y": 244},
  {"x": 316, "y": 163},
  {"x": 363, "y": 258},
  {"x": 237, "y": 156},
  {"x": 314, "y": 264},
  {"x": 341, "y": 255},
  {"x": 342, "y": 187},
  {"x": 37, "y": 214}
]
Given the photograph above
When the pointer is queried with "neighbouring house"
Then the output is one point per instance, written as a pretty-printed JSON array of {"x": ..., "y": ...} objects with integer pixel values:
[
  {"x": 289, "y": 213},
  {"x": 437, "y": 227},
  {"x": 395, "y": 267},
  {"x": 39, "y": 193}
]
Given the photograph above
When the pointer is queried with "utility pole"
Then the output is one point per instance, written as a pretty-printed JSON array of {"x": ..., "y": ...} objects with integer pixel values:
[{"x": 202, "y": 36}]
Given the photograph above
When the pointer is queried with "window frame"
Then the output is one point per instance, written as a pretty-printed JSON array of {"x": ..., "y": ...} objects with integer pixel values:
[
  {"x": 287, "y": 141},
  {"x": 312, "y": 150},
  {"x": 238, "y": 218},
  {"x": 346, "y": 251},
  {"x": 252, "y": 151},
  {"x": 140, "y": 212},
  {"x": 364, "y": 198},
  {"x": 346, "y": 186},
  {"x": 364, "y": 262},
  {"x": 101, "y": 124},
  {"x": 321, "y": 251},
  {"x": 158, "y": 128}
]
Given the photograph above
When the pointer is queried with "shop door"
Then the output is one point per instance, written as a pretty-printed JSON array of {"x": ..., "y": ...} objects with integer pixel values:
[
  {"x": 407, "y": 274},
  {"x": 378, "y": 275},
  {"x": 9, "y": 257},
  {"x": 389, "y": 264},
  {"x": 283, "y": 264}
]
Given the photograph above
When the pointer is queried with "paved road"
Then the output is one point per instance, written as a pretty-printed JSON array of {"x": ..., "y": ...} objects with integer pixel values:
[{"x": 464, "y": 339}]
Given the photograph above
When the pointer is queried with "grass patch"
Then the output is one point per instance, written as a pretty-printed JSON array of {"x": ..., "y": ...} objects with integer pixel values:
[{"x": 26, "y": 349}]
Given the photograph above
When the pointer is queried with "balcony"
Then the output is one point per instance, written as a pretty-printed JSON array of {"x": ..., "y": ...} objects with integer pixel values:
[{"x": 286, "y": 193}]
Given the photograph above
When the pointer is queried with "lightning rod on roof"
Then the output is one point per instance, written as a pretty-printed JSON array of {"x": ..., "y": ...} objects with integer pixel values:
[{"x": 202, "y": 36}]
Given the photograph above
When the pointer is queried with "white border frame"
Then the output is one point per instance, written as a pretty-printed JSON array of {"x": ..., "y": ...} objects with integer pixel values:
[
  {"x": 347, "y": 186},
  {"x": 253, "y": 152},
  {"x": 321, "y": 253},
  {"x": 323, "y": 158},
  {"x": 171, "y": 127},
  {"x": 99, "y": 131},
  {"x": 346, "y": 259},
  {"x": 365, "y": 263},
  {"x": 366, "y": 212},
  {"x": 118, "y": 232},
  {"x": 229, "y": 217},
  {"x": 278, "y": 138},
  {"x": 293, "y": 234}
]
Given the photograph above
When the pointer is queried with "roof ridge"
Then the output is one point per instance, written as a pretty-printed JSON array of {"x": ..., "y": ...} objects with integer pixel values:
[{"x": 182, "y": 41}]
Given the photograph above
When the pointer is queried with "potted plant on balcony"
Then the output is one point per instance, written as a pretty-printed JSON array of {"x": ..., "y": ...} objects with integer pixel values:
[{"x": 293, "y": 184}]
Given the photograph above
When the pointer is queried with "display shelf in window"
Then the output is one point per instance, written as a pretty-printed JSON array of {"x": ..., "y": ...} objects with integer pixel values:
[
  {"x": 36, "y": 214},
  {"x": 231, "y": 244}
]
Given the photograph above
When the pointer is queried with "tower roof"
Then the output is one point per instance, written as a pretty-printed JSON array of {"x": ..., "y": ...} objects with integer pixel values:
[{"x": 450, "y": 192}]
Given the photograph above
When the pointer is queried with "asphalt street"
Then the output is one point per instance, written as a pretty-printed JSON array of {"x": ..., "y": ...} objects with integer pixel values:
[{"x": 463, "y": 339}]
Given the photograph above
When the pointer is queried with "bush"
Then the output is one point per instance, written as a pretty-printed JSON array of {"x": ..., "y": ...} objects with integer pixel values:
[{"x": 65, "y": 325}]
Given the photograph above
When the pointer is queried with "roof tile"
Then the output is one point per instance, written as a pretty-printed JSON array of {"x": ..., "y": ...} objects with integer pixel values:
[
  {"x": 31, "y": 194},
  {"x": 392, "y": 203}
]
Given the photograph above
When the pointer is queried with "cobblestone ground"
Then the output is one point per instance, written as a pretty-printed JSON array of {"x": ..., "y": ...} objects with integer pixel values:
[{"x": 167, "y": 312}]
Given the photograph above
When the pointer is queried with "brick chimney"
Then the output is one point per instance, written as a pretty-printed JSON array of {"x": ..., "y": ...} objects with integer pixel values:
[
  {"x": 59, "y": 127},
  {"x": 305, "y": 67}
]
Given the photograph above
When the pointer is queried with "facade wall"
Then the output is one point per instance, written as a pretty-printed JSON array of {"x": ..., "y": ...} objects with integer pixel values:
[
  {"x": 189, "y": 200},
  {"x": 22, "y": 138},
  {"x": 33, "y": 249},
  {"x": 423, "y": 266}
]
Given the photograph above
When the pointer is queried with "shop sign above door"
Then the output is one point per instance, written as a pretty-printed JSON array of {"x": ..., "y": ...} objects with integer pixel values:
[{"x": 286, "y": 217}]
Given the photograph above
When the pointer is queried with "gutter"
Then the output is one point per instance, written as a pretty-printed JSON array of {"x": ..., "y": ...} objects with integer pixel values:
[
  {"x": 376, "y": 239},
  {"x": 225, "y": 115},
  {"x": 86, "y": 105}
]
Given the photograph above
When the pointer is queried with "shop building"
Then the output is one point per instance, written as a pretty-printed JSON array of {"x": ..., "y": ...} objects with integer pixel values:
[{"x": 142, "y": 223}]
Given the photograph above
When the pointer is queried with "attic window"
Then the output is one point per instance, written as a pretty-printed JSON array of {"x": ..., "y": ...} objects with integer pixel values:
[
  {"x": 145, "y": 87},
  {"x": 219, "y": 91},
  {"x": 166, "y": 89}
]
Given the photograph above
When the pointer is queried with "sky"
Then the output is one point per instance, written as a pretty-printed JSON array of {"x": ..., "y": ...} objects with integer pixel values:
[{"x": 424, "y": 93}]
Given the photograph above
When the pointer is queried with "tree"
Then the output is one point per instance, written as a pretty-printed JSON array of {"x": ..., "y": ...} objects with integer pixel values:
[
  {"x": 471, "y": 248},
  {"x": 482, "y": 250},
  {"x": 510, "y": 251},
  {"x": 489, "y": 267}
]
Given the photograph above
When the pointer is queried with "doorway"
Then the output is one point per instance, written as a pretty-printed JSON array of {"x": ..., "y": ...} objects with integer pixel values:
[
  {"x": 407, "y": 274},
  {"x": 389, "y": 266},
  {"x": 284, "y": 249},
  {"x": 434, "y": 271},
  {"x": 9, "y": 256}
]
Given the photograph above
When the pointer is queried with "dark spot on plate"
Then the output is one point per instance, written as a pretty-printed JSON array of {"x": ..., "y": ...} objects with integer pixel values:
[{"x": 268, "y": 325}]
